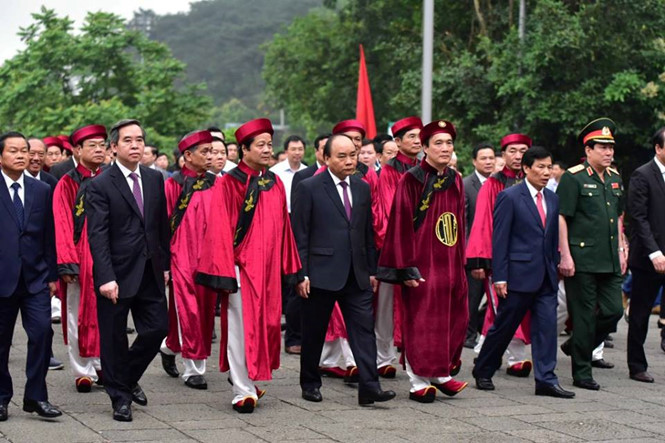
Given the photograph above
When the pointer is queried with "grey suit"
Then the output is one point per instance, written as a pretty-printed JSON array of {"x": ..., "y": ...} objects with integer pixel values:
[{"x": 476, "y": 290}]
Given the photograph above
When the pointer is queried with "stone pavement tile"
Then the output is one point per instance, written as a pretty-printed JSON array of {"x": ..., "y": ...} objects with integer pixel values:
[
  {"x": 103, "y": 422},
  {"x": 287, "y": 432},
  {"x": 441, "y": 409},
  {"x": 223, "y": 435},
  {"x": 563, "y": 405},
  {"x": 498, "y": 423},
  {"x": 556, "y": 417},
  {"x": 29, "y": 428},
  {"x": 655, "y": 426},
  {"x": 362, "y": 433},
  {"x": 378, "y": 418},
  {"x": 220, "y": 423},
  {"x": 486, "y": 437},
  {"x": 636, "y": 440},
  {"x": 624, "y": 417},
  {"x": 135, "y": 435},
  {"x": 517, "y": 410},
  {"x": 173, "y": 412},
  {"x": 487, "y": 400},
  {"x": 543, "y": 436},
  {"x": 595, "y": 429}
]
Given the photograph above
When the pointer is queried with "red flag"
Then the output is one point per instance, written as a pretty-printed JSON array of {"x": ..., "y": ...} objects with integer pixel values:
[{"x": 364, "y": 106}]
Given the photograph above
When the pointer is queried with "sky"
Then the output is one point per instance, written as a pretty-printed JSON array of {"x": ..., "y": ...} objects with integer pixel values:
[{"x": 16, "y": 14}]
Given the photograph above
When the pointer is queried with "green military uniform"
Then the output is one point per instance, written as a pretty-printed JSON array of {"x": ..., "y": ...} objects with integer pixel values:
[{"x": 592, "y": 208}]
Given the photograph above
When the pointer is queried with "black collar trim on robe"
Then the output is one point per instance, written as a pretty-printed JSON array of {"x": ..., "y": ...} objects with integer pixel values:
[
  {"x": 257, "y": 184},
  {"x": 79, "y": 209},
  {"x": 399, "y": 165},
  {"x": 506, "y": 180},
  {"x": 189, "y": 186},
  {"x": 361, "y": 170},
  {"x": 432, "y": 183}
]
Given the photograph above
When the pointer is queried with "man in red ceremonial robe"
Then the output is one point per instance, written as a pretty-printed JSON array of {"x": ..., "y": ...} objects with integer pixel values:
[
  {"x": 191, "y": 306},
  {"x": 75, "y": 259},
  {"x": 250, "y": 204},
  {"x": 424, "y": 251},
  {"x": 479, "y": 249},
  {"x": 389, "y": 300}
]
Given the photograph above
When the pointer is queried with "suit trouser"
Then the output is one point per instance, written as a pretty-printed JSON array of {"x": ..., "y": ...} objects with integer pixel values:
[
  {"x": 646, "y": 284},
  {"x": 594, "y": 303},
  {"x": 356, "y": 306},
  {"x": 81, "y": 366},
  {"x": 543, "y": 333},
  {"x": 562, "y": 317},
  {"x": 36, "y": 317},
  {"x": 123, "y": 365},
  {"x": 292, "y": 306},
  {"x": 476, "y": 292},
  {"x": 384, "y": 326}
]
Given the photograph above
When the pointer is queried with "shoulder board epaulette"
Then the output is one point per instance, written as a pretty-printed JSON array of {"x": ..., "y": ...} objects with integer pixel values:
[
  {"x": 613, "y": 171},
  {"x": 575, "y": 169}
]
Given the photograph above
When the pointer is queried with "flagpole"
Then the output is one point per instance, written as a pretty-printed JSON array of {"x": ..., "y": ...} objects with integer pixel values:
[{"x": 428, "y": 54}]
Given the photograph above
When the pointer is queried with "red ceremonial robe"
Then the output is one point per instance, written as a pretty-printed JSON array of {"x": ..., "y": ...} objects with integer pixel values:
[
  {"x": 191, "y": 306},
  {"x": 425, "y": 238},
  {"x": 73, "y": 254},
  {"x": 479, "y": 249},
  {"x": 266, "y": 252}
]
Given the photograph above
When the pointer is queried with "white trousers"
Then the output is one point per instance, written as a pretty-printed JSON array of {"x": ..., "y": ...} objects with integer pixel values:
[
  {"x": 418, "y": 382},
  {"x": 243, "y": 386},
  {"x": 383, "y": 326},
  {"x": 56, "y": 307},
  {"x": 334, "y": 351},
  {"x": 81, "y": 366},
  {"x": 515, "y": 353},
  {"x": 562, "y": 316}
]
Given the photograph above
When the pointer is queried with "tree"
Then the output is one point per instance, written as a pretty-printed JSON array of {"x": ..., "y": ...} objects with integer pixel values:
[{"x": 106, "y": 72}]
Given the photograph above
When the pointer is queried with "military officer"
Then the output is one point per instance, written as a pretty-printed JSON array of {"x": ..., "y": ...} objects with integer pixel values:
[{"x": 593, "y": 253}]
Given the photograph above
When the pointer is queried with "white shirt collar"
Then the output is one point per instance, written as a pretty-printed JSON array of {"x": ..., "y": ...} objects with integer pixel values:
[
  {"x": 284, "y": 166},
  {"x": 10, "y": 181},
  {"x": 126, "y": 171},
  {"x": 660, "y": 165},
  {"x": 337, "y": 181},
  {"x": 533, "y": 191},
  {"x": 28, "y": 174},
  {"x": 480, "y": 176}
]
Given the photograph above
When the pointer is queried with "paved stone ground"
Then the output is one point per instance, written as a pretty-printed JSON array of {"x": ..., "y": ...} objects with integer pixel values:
[{"x": 624, "y": 410}]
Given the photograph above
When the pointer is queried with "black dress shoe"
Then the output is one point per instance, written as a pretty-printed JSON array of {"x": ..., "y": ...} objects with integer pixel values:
[
  {"x": 122, "y": 413},
  {"x": 589, "y": 384},
  {"x": 565, "y": 347},
  {"x": 554, "y": 391},
  {"x": 168, "y": 363},
  {"x": 484, "y": 384},
  {"x": 196, "y": 382},
  {"x": 609, "y": 344},
  {"x": 470, "y": 343},
  {"x": 602, "y": 364},
  {"x": 643, "y": 376},
  {"x": 375, "y": 395},
  {"x": 3, "y": 412},
  {"x": 42, "y": 408},
  {"x": 138, "y": 396},
  {"x": 312, "y": 394},
  {"x": 662, "y": 341}
]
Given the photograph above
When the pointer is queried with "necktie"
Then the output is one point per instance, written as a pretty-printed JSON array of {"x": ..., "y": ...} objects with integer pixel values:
[
  {"x": 539, "y": 205},
  {"x": 347, "y": 202},
  {"x": 136, "y": 190},
  {"x": 18, "y": 205}
]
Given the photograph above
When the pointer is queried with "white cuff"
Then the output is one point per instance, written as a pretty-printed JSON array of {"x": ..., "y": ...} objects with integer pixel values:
[
  {"x": 499, "y": 282},
  {"x": 656, "y": 254}
]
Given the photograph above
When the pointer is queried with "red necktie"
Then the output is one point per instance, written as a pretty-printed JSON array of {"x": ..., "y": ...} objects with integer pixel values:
[{"x": 539, "y": 205}]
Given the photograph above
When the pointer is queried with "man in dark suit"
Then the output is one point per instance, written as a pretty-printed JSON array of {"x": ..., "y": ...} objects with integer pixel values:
[
  {"x": 60, "y": 169},
  {"x": 525, "y": 245},
  {"x": 128, "y": 231},
  {"x": 483, "y": 167},
  {"x": 646, "y": 206},
  {"x": 332, "y": 225},
  {"x": 28, "y": 276}
]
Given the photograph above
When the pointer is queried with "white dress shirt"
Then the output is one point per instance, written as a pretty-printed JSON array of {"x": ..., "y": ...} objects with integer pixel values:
[
  {"x": 285, "y": 173},
  {"x": 21, "y": 190},
  {"x": 480, "y": 176},
  {"x": 661, "y": 167},
  {"x": 533, "y": 191},
  {"x": 130, "y": 182},
  {"x": 36, "y": 177},
  {"x": 340, "y": 190}
]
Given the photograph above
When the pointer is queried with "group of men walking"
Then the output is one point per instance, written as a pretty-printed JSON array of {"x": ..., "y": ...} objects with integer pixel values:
[{"x": 375, "y": 261}]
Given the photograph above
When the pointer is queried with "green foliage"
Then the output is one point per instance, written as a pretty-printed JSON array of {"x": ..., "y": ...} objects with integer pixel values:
[{"x": 65, "y": 79}]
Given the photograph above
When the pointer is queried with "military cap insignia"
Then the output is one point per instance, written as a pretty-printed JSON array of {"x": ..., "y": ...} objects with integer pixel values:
[
  {"x": 606, "y": 131},
  {"x": 442, "y": 124}
]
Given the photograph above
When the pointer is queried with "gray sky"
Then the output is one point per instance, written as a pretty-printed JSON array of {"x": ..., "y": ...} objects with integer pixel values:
[{"x": 16, "y": 14}]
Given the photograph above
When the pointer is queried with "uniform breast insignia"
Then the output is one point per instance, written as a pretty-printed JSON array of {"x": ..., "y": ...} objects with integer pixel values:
[
  {"x": 79, "y": 208},
  {"x": 615, "y": 185},
  {"x": 590, "y": 185},
  {"x": 589, "y": 170},
  {"x": 446, "y": 229},
  {"x": 249, "y": 203},
  {"x": 575, "y": 169}
]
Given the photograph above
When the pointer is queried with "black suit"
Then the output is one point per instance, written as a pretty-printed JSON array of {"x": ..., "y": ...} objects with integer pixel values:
[
  {"x": 338, "y": 256},
  {"x": 63, "y": 167},
  {"x": 48, "y": 179},
  {"x": 27, "y": 265},
  {"x": 646, "y": 207},
  {"x": 132, "y": 250},
  {"x": 300, "y": 176},
  {"x": 476, "y": 287}
]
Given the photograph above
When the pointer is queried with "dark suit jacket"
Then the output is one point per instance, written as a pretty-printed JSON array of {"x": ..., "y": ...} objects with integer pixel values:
[
  {"x": 121, "y": 241},
  {"x": 471, "y": 187},
  {"x": 48, "y": 179},
  {"x": 300, "y": 176},
  {"x": 60, "y": 169},
  {"x": 331, "y": 246},
  {"x": 30, "y": 252},
  {"x": 646, "y": 208},
  {"x": 524, "y": 253}
]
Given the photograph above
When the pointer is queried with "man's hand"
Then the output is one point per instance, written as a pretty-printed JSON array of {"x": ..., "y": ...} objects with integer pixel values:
[
  {"x": 478, "y": 274},
  {"x": 567, "y": 266},
  {"x": 413, "y": 283},
  {"x": 69, "y": 278},
  {"x": 659, "y": 264},
  {"x": 53, "y": 287},
  {"x": 110, "y": 291},
  {"x": 167, "y": 275},
  {"x": 302, "y": 288},
  {"x": 501, "y": 289},
  {"x": 623, "y": 261},
  {"x": 374, "y": 282}
]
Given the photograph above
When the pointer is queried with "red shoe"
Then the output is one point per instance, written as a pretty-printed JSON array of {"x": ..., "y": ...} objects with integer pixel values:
[
  {"x": 334, "y": 372},
  {"x": 84, "y": 384},
  {"x": 351, "y": 375},
  {"x": 245, "y": 406},
  {"x": 426, "y": 395},
  {"x": 521, "y": 369},
  {"x": 455, "y": 369},
  {"x": 387, "y": 371},
  {"x": 452, "y": 387},
  {"x": 259, "y": 392}
]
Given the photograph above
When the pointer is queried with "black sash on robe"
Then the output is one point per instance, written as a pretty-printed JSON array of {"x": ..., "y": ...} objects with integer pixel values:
[
  {"x": 257, "y": 184},
  {"x": 432, "y": 183},
  {"x": 189, "y": 186}
]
